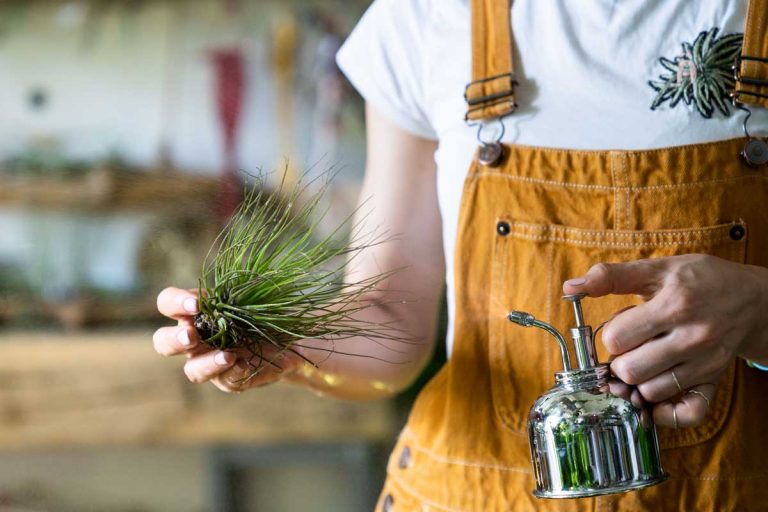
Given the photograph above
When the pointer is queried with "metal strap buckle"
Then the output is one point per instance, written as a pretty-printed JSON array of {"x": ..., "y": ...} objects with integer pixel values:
[
  {"x": 759, "y": 82},
  {"x": 476, "y": 100}
]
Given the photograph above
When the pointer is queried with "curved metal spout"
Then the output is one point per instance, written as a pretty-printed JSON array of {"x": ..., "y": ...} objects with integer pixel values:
[{"x": 527, "y": 320}]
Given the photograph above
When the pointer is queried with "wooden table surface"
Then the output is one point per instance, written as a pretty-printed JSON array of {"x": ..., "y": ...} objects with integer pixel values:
[{"x": 110, "y": 388}]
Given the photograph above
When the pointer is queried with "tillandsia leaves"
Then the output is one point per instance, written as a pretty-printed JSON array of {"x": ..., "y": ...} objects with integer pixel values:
[
  {"x": 272, "y": 279},
  {"x": 702, "y": 76}
]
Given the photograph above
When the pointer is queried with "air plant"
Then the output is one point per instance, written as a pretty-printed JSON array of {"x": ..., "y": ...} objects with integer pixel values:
[{"x": 271, "y": 281}]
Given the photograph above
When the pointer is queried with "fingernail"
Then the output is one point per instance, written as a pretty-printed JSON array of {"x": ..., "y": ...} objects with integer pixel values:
[
  {"x": 576, "y": 282},
  {"x": 183, "y": 337},
  {"x": 221, "y": 359},
  {"x": 190, "y": 305}
]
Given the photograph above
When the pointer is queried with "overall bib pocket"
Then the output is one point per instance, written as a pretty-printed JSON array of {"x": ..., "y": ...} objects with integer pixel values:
[{"x": 530, "y": 262}]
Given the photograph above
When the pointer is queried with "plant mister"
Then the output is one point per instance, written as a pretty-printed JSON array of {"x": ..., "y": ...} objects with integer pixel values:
[{"x": 586, "y": 441}]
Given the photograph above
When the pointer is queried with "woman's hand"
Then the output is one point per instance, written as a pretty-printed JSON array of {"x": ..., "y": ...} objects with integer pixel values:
[
  {"x": 700, "y": 312},
  {"x": 399, "y": 195},
  {"x": 227, "y": 370}
]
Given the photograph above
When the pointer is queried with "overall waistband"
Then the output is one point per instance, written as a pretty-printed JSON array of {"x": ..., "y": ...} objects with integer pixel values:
[{"x": 602, "y": 170}]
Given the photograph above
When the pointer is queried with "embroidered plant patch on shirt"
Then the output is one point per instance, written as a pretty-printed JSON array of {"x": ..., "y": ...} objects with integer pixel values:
[{"x": 702, "y": 75}]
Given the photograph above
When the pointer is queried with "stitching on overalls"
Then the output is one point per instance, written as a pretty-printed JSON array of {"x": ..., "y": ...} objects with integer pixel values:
[
  {"x": 709, "y": 235},
  {"x": 596, "y": 234},
  {"x": 550, "y": 284},
  {"x": 493, "y": 174},
  {"x": 609, "y": 188},
  {"x": 627, "y": 197},
  {"x": 702, "y": 183},
  {"x": 500, "y": 264},
  {"x": 616, "y": 194},
  {"x": 591, "y": 243},
  {"x": 413, "y": 443}
]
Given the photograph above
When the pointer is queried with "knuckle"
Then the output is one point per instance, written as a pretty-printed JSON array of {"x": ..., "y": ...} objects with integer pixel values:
[
  {"x": 650, "y": 393},
  {"x": 158, "y": 343},
  {"x": 164, "y": 295},
  {"x": 193, "y": 375},
  {"x": 601, "y": 270},
  {"x": 611, "y": 340},
  {"x": 681, "y": 305},
  {"x": 696, "y": 412},
  {"x": 706, "y": 334},
  {"x": 697, "y": 417},
  {"x": 226, "y": 387},
  {"x": 624, "y": 370},
  {"x": 688, "y": 344},
  {"x": 696, "y": 259}
]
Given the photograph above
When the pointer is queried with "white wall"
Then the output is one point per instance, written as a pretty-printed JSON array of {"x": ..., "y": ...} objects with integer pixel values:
[
  {"x": 133, "y": 81},
  {"x": 138, "y": 78}
]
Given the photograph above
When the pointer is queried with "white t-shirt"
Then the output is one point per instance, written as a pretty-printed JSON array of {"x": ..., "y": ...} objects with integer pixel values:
[{"x": 584, "y": 68}]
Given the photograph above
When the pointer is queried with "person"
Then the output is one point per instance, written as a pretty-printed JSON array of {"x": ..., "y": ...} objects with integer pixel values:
[{"x": 604, "y": 157}]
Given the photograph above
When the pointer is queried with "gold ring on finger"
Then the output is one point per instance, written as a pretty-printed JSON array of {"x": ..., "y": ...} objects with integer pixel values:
[
  {"x": 677, "y": 382},
  {"x": 699, "y": 393}
]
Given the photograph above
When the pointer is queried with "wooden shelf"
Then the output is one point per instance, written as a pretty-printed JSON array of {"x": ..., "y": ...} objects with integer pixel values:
[
  {"x": 66, "y": 390},
  {"x": 109, "y": 190},
  {"x": 79, "y": 312}
]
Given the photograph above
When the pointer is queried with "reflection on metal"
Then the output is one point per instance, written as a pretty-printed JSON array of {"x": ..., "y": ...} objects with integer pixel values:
[{"x": 585, "y": 440}]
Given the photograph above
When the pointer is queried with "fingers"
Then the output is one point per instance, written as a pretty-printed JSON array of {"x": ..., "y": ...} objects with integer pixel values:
[
  {"x": 648, "y": 360},
  {"x": 688, "y": 412},
  {"x": 634, "y": 326},
  {"x": 205, "y": 367},
  {"x": 641, "y": 277},
  {"x": 177, "y": 303},
  {"x": 244, "y": 375},
  {"x": 237, "y": 371},
  {"x": 664, "y": 386},
  {"x": 171, "y": 341}
]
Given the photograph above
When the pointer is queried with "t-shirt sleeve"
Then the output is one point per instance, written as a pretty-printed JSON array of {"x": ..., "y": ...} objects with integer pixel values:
[{"x": 382, "y": 58}]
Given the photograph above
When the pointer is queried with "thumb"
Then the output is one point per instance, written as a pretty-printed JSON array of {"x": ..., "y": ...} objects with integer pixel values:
[{"x": 640, "y": 277}]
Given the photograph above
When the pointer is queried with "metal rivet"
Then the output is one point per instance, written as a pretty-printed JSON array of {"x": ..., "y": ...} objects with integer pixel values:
[
  {"x": 405, "y": 458},
  {"x": 389, "y": 502},
  {"x": 737, "y": 232},
  {"x": 755, "y": 152},
  {"x": 502, "y": 228},
  {"x": 490, "y": 153}
]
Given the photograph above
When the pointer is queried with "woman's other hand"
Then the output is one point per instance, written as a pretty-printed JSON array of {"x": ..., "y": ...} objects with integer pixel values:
[{"x": 700, "y": 312}]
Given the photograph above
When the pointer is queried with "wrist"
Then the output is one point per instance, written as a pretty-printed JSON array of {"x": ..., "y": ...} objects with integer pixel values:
[{"x": 755, "y": 347}]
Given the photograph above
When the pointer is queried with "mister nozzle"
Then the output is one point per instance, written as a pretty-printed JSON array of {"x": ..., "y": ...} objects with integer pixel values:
[
  {"x": 528, "y": 320},
  {"x": 521, "y": 318}
]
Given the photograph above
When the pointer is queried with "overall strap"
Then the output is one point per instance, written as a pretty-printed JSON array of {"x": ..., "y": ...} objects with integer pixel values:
[
  {"x": 752, "y": 67},
  {"x": 491, "y": 93}
]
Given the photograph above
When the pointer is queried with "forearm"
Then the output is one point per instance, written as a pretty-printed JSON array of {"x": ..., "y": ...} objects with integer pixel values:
[
  {"x": 404, "y": 309},
  {"x": 399, "y": 200},
  {"x": 362, "y": 368}
]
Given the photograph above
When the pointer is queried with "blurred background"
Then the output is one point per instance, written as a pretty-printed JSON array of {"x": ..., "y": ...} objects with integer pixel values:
[{"x": 124, "y": 128}]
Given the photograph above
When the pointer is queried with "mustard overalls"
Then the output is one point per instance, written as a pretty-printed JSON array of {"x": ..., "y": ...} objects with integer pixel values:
[{"x": 535, "y": 217}]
